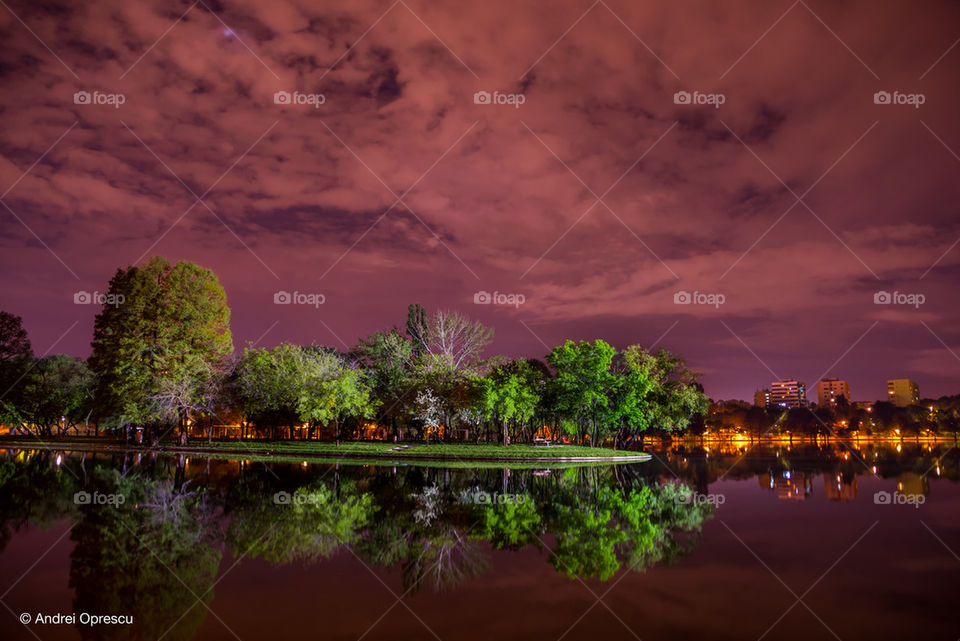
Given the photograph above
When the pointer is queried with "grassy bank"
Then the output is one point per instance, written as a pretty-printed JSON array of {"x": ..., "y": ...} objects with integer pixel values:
[{"x": 262, "y": 450}]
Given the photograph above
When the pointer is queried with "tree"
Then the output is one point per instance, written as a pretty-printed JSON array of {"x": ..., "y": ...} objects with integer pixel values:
[
  {"x": 582, "y": 387},
  {"x": 290, "y": 384},
  {"x": 56, "y": 393},
  {"x": 455, "y": 342},
  {"x": 417, "y": 328},
  {"x": 16, "y": 357},
  {"x": 630, "y": 401},
  {"x": 14, "y": 341},
  {"x": 510, "y": 397},
  {"x": 385, "y": 358},
  {"x": 267, "y": 385},
  {"x": 428, "y": 411},
  {"x": 675, "y": 396},
  {"x": 170, "y": 324},
  {"x": 332, "y": 390}
]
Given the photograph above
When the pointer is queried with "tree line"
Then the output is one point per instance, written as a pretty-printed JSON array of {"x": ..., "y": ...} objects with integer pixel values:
[{"x": 163, "y": 359}]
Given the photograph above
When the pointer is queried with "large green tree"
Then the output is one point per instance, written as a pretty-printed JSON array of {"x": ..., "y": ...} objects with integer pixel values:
[
  {"x": 582, "y": 388},
  {"x": 56, "y": 393},
  {"x": 675, "y": 397},
  {"x": 168, "y": 329},
  {"x": 290, "y": 384}
]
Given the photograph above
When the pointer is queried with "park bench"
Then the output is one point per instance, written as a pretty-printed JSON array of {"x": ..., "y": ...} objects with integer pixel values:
[{"x": 541, "y": 442}]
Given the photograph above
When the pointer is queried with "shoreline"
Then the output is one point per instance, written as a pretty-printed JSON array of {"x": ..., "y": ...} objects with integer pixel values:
[{"x": 316, "y": 450}]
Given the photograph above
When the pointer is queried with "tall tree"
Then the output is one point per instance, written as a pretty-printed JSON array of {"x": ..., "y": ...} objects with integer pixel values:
[
  {"x": 171, "y": 325},
  {"x": 455, "y": 341},
  {"x": 417, "y": 329},
  {"x": 16, "y": 356},
  {"x": 386, "y": 358}
]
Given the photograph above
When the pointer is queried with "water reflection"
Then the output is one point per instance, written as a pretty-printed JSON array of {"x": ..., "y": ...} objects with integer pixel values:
[
  {"x": 789, "y": 471},
  {"x": 149, "y": 532},
  {"x": 156, "y": 553}
]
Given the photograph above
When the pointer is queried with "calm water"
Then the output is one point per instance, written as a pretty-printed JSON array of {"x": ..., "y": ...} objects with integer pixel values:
[{"x": 735, "y": 544}]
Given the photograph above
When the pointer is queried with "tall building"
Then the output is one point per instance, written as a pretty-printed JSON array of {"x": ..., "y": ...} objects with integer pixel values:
[
  {"x": 902, "y": 392},
  {"x": 788, "y": 393},
  {"x": 828, "y": 389},
  {"x": 761, "y": 398}
]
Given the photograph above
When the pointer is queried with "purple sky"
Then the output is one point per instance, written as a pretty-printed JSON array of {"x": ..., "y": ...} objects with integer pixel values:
[{"x": 399, "y": 188}]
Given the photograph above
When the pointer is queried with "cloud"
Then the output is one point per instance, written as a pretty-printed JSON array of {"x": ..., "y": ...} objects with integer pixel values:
[{"x": 700, "y": 198}]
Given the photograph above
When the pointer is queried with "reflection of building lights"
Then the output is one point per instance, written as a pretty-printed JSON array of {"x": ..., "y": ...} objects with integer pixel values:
[
  {"x": 874, "y": 469},
  {"x": 59, "y": 459}
]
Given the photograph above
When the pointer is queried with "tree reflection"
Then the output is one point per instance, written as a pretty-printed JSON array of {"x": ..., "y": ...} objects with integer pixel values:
[
  {"x": 308, "y": 524},
  {"x": 33, "y": 490},
  {"x": 156, "y": 553},
  {"x": 150, "y": 556}
]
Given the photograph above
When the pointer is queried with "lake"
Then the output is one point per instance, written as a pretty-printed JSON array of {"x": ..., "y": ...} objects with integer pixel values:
[{"x": 801, "y": 542}]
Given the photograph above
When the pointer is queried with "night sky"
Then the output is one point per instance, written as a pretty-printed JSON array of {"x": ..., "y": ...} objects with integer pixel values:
[{"x": 597, "y": 199}]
